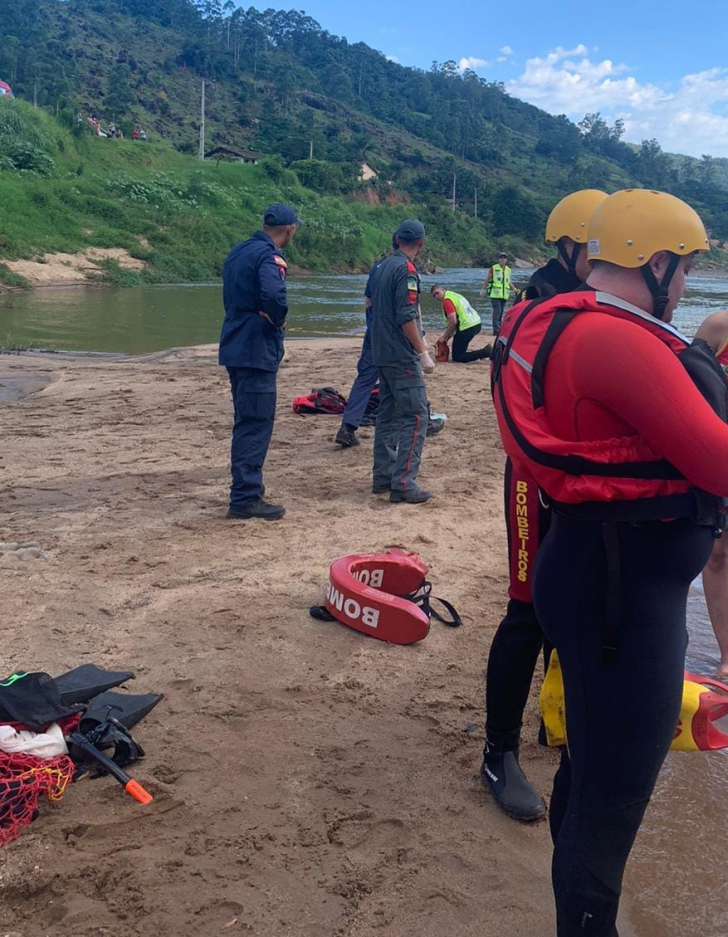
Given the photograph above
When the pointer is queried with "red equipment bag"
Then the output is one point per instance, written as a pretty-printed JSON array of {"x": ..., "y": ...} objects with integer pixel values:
[
  {"x": 442, "y": 351},
  {"x": 384, "y": 595},
  {"x": 320, "y": 400}
]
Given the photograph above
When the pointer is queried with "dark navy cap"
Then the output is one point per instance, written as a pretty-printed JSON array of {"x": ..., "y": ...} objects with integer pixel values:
[
  {"x": 410, "y": 230},
  {"x": 280, "y": 214}
]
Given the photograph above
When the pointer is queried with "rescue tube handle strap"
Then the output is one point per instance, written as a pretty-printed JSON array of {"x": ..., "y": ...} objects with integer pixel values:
[
  {"x": 424, "y": 598},
  {"x": 454, "y": 621}
]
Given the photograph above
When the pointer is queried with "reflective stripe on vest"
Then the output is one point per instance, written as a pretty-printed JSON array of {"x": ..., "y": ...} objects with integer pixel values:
[
  {"x": 500, "y": 282},
  {"x": 467, "y": 316},
  {"x": 575, "y": 471}
]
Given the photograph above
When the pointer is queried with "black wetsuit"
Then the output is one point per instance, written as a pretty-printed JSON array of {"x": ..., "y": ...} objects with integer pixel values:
[
  {"x": 609, "y": 778},
  {"x": 551, "y": 279},
  {"x": 519, "y": 639}
]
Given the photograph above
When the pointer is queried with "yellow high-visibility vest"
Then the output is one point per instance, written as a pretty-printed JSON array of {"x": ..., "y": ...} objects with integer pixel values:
[
  {"x": 500, "y": 282},
  {"x": 467, "y": 316}
]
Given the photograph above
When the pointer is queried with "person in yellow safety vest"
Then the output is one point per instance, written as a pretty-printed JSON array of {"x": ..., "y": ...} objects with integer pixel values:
[
  {"x": 498, "y": 286},
  {"x": 462, "y": 322}
]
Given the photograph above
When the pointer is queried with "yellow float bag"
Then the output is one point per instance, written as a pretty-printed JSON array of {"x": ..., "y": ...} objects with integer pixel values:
[{"x": 704, "y": 702}]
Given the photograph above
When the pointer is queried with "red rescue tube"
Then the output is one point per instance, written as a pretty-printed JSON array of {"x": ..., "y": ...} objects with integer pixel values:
[{"x": 366, "y": 592}]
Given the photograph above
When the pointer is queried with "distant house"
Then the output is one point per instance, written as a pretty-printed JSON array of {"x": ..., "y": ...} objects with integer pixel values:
[
  {"x": 366, "y": 173},
  {"x": 233, "y": 154},
  {"x": 5, "y": 90}
]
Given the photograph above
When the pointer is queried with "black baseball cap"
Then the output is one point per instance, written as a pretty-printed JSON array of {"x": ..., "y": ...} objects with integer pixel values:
[
  {"x": 410, "y": 230},
  {"x": 502, "y": 254},
  {"x": 280, "y": 214}
]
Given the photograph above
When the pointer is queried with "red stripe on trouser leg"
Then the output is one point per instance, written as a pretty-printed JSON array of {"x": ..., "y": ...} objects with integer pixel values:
[
  {"x": 522, "y": 519},
  {"x": 408, "y": 463}
]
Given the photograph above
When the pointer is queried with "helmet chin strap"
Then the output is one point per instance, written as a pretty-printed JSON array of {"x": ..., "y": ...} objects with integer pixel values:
[
  {"x": 568, "y": 258},
  {"x": 659, "y": 290}
]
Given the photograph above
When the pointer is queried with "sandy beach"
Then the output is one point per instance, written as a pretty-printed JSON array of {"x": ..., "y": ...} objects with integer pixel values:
[{"x": 308, "y": 781}]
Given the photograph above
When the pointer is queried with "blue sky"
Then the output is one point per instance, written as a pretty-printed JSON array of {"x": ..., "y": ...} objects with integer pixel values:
[{"x": 663, "y": 67}]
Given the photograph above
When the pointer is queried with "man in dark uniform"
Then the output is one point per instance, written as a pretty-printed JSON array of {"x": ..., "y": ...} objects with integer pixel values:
[
  {"x": 251, "y": 348},
  {"x": 367, "y": 375},
  {"x": 519, "y": 639},
  {"x": 400, "y": 353}
]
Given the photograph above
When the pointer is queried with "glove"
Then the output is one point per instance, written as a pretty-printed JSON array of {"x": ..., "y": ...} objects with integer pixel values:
[{"x": 428, "y": 365}]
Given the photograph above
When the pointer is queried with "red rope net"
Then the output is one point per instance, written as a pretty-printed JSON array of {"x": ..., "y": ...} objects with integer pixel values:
[{"x": 23, "y": 779}]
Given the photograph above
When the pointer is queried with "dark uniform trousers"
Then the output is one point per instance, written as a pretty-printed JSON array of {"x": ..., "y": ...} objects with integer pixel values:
[
  {"x": 254, "y": 403},
  {"x": 366, "y": 380},
  {"x": 460, "y": 343},
  {"x": 401, "y": 427},
  {"x": 499, "y": 306}
]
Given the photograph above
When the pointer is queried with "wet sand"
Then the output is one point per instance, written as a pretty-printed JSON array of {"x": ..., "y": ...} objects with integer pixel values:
[
  {"x": 308, "y": 781},
  {"x": 15, "y": 385}
]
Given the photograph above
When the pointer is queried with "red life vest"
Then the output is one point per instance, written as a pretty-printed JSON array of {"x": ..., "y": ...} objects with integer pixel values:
[{"x": 575, "y": 471}]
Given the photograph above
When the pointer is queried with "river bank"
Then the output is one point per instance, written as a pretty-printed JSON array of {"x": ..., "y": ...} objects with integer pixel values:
[
  {"x": 308, "y": 781},
  {"x": 86, "y": 268}
]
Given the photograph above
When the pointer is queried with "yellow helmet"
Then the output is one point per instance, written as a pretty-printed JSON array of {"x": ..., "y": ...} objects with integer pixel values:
[
  {"x": 632, "y": 225},
  {"x": 570, "y": 218}
]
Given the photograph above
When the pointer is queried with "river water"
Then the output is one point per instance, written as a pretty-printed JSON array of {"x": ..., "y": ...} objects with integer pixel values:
[
  {"x": 675, "y": 879},
  {"x": 152, "y": 318}
]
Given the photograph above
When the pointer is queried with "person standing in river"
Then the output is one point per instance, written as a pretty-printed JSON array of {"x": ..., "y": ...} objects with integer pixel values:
[
  {"x": 497, "y": 284},
  {"x": 251, "y": 348}
]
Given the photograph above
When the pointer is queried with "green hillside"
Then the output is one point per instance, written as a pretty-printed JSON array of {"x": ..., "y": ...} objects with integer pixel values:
[
  {"x": 64, "y": 190},
  {"x": 279, "y": 84}
]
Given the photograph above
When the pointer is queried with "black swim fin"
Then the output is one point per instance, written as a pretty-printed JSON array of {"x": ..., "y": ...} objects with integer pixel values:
[
  {"x": 127, "y": 708},
  {"x": 83, "y": 683}
]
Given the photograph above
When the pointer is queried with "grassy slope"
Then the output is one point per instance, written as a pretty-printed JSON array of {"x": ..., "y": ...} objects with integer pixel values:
[{"x": 182, "y": 216}]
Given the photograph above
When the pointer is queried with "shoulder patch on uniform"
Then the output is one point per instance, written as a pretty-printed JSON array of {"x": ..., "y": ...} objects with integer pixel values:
[
  {"x": 412, "y": 283},
  {"x": 411, "y": 267},
  {"x": 280, "y": 261}
]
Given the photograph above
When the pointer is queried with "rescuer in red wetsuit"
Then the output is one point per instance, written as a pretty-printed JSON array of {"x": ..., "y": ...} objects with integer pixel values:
[
  {"x": 518, "y": 640},
  {"x": 622, "y": 424}
]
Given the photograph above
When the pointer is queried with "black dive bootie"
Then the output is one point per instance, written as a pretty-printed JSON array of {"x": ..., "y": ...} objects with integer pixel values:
[{"x": 503, "y": 776}]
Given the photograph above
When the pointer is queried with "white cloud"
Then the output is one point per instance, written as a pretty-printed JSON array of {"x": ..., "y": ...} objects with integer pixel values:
[
  {"x": 391, "y": 58},
  {"x": 506, "y": 51},
  {"x": 472, "y": 62},
  {"x": 688, "y": 117}
]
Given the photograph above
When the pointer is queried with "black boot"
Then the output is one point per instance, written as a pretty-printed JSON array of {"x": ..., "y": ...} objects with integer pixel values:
[
  {"x": 346, "y": 437},
  {"x": 503, "y": 776},
  {"x": 259, "y": 509}
]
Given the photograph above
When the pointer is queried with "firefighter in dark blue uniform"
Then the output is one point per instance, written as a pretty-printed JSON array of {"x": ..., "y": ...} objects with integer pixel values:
[
  {"x": 251, "y": 348},
  {"x": 367, "y": 374}
]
